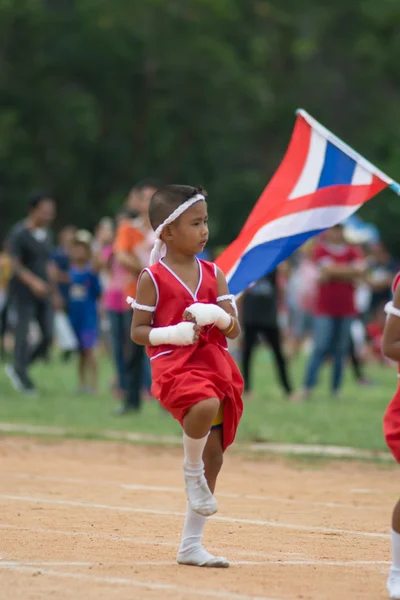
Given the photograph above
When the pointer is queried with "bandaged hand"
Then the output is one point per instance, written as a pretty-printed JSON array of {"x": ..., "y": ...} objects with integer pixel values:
[
  {"x": 183, "y": 334},
  {"x": 208, "y": 314}
]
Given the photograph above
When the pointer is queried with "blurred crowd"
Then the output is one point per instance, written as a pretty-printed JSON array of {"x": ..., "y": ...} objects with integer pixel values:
[{"x": 324, "y": 303}]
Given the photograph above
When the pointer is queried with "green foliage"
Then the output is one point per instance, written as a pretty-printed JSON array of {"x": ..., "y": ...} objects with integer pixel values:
[{"x": 95, "y": 95}]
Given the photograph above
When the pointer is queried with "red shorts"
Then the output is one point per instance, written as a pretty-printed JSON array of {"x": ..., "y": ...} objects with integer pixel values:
[{"x": 391, "y": 425}]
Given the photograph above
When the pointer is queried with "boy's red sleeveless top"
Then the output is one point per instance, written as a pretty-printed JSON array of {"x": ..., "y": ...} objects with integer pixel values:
[{"x": 186, "y": 375}]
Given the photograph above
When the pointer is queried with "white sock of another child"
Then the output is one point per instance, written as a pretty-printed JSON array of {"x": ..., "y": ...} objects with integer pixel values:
[
  {"x": 200, "y": 498},
  {"x": 393, "y": 582},
  {"x": 395, "y": 537}
]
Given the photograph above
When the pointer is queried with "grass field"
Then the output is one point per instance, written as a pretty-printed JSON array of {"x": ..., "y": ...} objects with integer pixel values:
[{"x": 353, "y": 420}]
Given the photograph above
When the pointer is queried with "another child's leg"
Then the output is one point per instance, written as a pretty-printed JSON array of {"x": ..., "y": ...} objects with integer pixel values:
[
  {"x": 191, "y": 552},
  {"x": 82, "y": 369},
  {"x": 393, "y": 583},
  {"x": 92, "y": 368},
  {"x": 196, "y": 426}
]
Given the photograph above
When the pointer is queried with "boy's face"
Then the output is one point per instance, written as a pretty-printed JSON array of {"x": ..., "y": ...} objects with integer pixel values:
[
  {"x": 335, "y": 235},
  {"x": 189, "y": 233},
  {"x": 80, "y": 253},
  {"x": 67, "y": 236}
]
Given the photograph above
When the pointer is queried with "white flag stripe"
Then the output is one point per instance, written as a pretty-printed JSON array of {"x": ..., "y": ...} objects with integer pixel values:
[
  {"x": 361, "y": 176},
  {"x": 309, "y": 178},
  {"x": 313, "y": 219}
]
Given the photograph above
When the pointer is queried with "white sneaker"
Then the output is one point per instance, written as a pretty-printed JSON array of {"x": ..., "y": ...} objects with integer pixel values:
[
  {"x": 199, "y": 495},
  {"x": 199, "y": 557},
  {"x": 393, "y": 584}
]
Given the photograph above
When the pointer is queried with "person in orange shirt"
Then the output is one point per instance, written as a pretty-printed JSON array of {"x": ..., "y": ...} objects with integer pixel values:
[{"x": 133, "y": 243}]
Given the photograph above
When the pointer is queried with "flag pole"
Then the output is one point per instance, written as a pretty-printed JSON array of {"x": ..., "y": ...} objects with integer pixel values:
[{"x": 331, "y": 137}]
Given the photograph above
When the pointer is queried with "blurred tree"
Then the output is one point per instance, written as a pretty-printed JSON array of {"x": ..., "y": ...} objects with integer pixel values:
[{"x": 95, "y": 95}]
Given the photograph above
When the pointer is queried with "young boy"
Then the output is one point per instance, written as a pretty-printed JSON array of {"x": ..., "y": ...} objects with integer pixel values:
[{"x": 183, "y": 314}]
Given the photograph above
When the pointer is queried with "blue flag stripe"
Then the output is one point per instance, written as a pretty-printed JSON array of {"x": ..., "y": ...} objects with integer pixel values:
[
  {"x": 262, "y": 259},
  {"x": 338, "y": 168}
]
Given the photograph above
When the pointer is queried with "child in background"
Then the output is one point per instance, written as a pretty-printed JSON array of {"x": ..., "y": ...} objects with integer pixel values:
[
  {"x": 391, "y": 423},
  {"x": 84, "y": 293},
  {"x": 183, "y": 314}
]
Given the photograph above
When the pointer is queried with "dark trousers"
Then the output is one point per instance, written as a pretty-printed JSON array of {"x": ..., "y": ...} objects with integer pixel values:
[
  {"x": 26, "y": 311},
  {"x": 271, "y": 336},
  {"x": 119, "y": 341},
  {"x": 134, "y": 360},
  {"x": 356, "y": 362},
  {"x": 3, "y": 327}
]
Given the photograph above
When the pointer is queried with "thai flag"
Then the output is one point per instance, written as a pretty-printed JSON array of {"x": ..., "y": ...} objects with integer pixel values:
[{"x": 320, "y": 182}]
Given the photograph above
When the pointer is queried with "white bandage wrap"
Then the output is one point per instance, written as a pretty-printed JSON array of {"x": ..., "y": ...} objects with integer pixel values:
[
  {"x": 210, "y": 314},
  {"x": 132, "y": 302},
  {"x": 176, "y": 335},
  {"x": 158, "y": 251},
  {"x": 230, "y": 298},
  {"x": 392, "y": 310}
]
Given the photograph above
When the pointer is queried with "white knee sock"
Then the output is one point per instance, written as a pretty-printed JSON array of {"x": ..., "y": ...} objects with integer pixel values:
[
  {"x": 395, "y": 537},
  {"x": 192, "y": 530},
  {"x": 193, "y": 449}
]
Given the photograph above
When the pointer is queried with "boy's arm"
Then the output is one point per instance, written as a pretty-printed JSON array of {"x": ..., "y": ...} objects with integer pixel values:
[
  {"x": 233, "y": 330},
  {"x": 223, "y": 314},
  {"x": 141, "y": 322},
  {"x": 143, "y": 334},
  {"x": 96, "y": 285},
  {"x": 391, "y": 333}
]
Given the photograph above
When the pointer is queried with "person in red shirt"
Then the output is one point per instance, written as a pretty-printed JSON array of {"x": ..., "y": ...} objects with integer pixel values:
[{"x": 340, "y": 265}]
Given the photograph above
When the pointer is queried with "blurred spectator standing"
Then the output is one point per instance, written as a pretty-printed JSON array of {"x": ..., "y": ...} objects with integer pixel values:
[
  {"x": 302, "y": 294},
  {"x": 84, "y": 293},
  {"x": 358, "y": 334},
  {"x": 104, "y": 235},
  {"x": 133, "y": 244},
  {"x": 33, "y": 286},
  {"x": 340, "y": 266},
  {"x": 260, "y": 320},
  {"x": 5, "y": 277},
  {"x": 61, "y": 258},
  {"x": 115, "y": 281},
  {"x": 381, "y": 271}
]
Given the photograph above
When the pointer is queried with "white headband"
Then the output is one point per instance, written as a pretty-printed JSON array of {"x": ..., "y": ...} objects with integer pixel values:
[{"x": 159, "y": 247}]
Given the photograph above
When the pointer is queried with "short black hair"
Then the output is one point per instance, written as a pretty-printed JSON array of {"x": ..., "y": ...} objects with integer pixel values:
[
  {"x": 36, "y": 197},
  {"x": 168, "y": 198}
]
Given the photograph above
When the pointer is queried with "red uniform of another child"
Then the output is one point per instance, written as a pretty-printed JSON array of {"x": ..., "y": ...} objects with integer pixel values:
[
  {"x": 391, "y": 420},
  {"x": 186, "y": 375}
]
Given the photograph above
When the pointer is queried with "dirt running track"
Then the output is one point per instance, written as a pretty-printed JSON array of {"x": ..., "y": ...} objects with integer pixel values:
[{"x": 101, "y": 521}]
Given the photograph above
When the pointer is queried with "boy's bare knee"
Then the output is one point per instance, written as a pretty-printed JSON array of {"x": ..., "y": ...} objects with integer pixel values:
[{"x": 206, "y": 408}]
